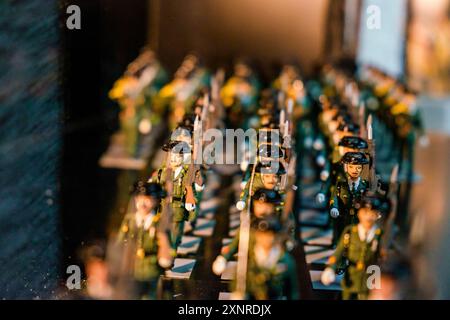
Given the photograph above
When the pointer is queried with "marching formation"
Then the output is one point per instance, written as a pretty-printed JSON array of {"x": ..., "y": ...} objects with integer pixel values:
[{"x": 299, "y": 146}]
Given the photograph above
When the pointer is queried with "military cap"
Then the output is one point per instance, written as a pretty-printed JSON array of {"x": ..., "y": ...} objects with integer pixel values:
[
  {"x": 269, "y": 224},
  {"x": 354, "y": 158},
  {"x": 370, "y": 201},
  {"x": 348, "y": 127},
  {"x": 373, "y": 201},
  {"x": 267, "y": 168},
  {"x": 148, "y": 189},
  {"x": 268, "y": 150},
  {"x": 182, "y": 131},
  {"x": 267, "y": 195},
  {"x": 179, "y": 147},
  {"x": 353, "y": 142}
]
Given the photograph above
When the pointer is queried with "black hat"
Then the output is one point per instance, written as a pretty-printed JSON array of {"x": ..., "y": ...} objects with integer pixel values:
[
  {"x": 182, "y": 131},
  {"x": 354, "y": 158},
  {"x": 180, "y": 147},
  {"x": 371, "y": 201},
  {"x": 348, "y": 127},
  {"x": 148, "y": 189},
  {"x": 268, "y": 150},
  {"x": 268, "y": 224},
  {"x": 188, "y": 120},
  {"x": 353, "y": 142},
  {"x": 267, "y": 168},
  {"x": 267, "y": 195}
]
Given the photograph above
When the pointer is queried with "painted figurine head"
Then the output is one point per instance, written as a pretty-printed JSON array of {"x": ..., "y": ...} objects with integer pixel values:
[
  {"x": 270, "y": 175},
  {"x": 369, "y": 211},
  {"x": 147, "y": 196},
  {"x": 353, "y": 163},
  {"x": 352, "y": 144},
  {"x": 264, "y": 202},
  {"x": 178, "y": 150},
  {"x": 266, "y": 232}
]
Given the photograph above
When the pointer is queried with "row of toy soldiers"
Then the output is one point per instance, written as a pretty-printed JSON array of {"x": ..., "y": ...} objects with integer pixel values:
[
  {"x": 147, "y": 98},
  {"x": 355, "y": 196},
  {"x": 392, "y": 106},
  {"x": 267, "y": 194},
  {"x": 266, "y": 235},
  {"x": 265, "y": 269}
]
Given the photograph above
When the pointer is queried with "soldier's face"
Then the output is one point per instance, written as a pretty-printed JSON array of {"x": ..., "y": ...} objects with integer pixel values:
[
  {"x": 262, "y": 209},
  {"x": 145, "y": 204},
  {"x": 354, "y": 170},
  {"x": 367, "y": 217},
  {"x": 269, "y": 180},
  {"x": 265, "y": 239},
  {"x": 176, "y": 159}
]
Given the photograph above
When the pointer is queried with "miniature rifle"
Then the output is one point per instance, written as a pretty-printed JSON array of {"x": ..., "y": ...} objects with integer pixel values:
[
  {"x": 362, "y": 121},
  {"x": 373, "y": 179},
  {"x": 163, "y": 229},
  {"x": 244, "y": 238},
  {"x": 194, "y": 167},
  {"x": 392, "y": 197}
]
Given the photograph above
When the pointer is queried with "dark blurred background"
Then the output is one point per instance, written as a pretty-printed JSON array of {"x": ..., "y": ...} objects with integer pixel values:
[{"x": 93, "y": 58}]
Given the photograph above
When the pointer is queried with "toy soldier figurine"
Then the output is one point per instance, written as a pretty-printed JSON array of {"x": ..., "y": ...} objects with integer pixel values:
[
  {"x": 266, "y": 176},
  {"x": 264, "y": 203},
  {"x": 135, "y": 92},
  {"x": 180, "y": 94},
  {"x": 239, "y": 95},
  {"x": 181, "y": 209},
  {"x": 271, "y": 271},
  {"x": 335, "y": 168},
  {"x": 347, "y": 192},
  {"x": 140, "y": 230},
  {"x": 358, "y": 248}
]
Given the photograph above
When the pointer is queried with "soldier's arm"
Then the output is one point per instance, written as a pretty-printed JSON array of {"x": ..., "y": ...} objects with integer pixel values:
[
  {"x": 124, "y": 229},
  {"x": 334, "y": 203},
  {"x": 337, "y": 256},
  {"x": 325, "y": 177},
  {"x": 232, "y": 248}
]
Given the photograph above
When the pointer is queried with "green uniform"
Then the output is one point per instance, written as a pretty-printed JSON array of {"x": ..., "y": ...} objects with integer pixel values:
[
  {"x": 179, "y": 212},
  {"x": 275, "y": 280},
  {"x": 142, "y": 238},
  {"x": 336, "y": 172},
  {"x": 142, "y": 106},
  {"x": 358, "y": 255},
  {"x": 344, "y": 199}
]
